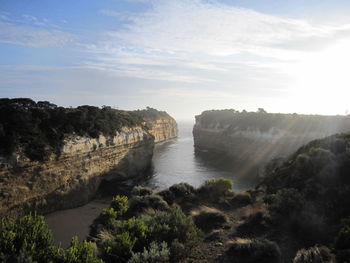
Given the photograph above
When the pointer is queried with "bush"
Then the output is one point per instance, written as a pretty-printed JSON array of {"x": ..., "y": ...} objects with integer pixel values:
[
  {"x": 119, "y": 239},
  {"x": 29, "y": 235},
  {"x": 241, "y": 199},
  {"x": 157, "y": 253},
  {"x": 84, "y": 252},
  {"x": 117, "y": 249},
  {"x": 216, "y": 188},
  {"x": 314, "y": 254},
  {"x": 141, "y": 191},
  {"x": 342, "y": 242},
  {"x": 173, "y": 227},
  {"x": 119, "y": 204},
  {"x": 140, "y": 204},
  {"x": 168, "y": 196},
  {"x": 28, "y": 240},
  {"x": 108, "y": 217},
  {"x": 252, "y": 251},
  {"x": 208, "y": 219},
  {"x": 285, "y": 201},
  {"x": 182, "y": 189}
]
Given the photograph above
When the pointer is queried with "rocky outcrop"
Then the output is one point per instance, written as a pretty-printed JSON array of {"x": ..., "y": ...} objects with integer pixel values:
[
  {"x": 163, "y": 129},
  {"x": 257, "y": 137},
  {"x": 73, "y": 178}
]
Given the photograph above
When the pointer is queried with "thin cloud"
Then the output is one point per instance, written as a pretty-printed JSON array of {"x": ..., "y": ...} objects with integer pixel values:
[{"x": 32, "y": 31}]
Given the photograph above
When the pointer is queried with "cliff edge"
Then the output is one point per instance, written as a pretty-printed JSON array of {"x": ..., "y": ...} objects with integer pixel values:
[
  {"x": 258, "y": 137},
  {"x": 54, "y": 158}
]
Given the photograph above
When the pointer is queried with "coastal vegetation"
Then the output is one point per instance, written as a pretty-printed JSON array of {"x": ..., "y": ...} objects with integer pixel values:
[
  {"x": 263, "y": 121},
  {"x": 38, "y": 129}
]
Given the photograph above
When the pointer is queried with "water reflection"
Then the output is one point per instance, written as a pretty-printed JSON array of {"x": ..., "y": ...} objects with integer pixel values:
[{"x": 177, "y": 161}]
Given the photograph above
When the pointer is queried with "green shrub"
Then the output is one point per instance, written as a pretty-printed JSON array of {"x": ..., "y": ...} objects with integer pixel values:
[
  {"x": 314, "y": 254},
  {"x": 140, "y": 204},
  {"x": 84, "y": 252},
  {"x": 28, "y": 240},
  {"x": 252, "y": 251},
  {"x": 157, "y": 253},
  {"x": 168, "y": 196},
  {"x": 141, "y": 191},
  {"x": 182, "y": 189},
  {"x": 108, "y": 217},
  {"x": 342, "y": 242},
  {"x": 285, "y": 201},
  {"x": 117, "y": 249},
  {"x": 241, "y": 199},
  {"x": 170, "y": 225},
  {"x": 119, "y": 204},
  {"x": 119, "y": 239},
  {"x": 216, "y": 188},
  {"x": 30, "y": 235},
  {"x": 208, "y": 219}
]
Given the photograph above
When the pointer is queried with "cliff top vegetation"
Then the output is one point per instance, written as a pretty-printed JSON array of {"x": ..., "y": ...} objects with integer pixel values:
[
  {"x": 264, "y": 121},
  {"x": 39, "y": 128},
  {"x": 151, "y": 114}
]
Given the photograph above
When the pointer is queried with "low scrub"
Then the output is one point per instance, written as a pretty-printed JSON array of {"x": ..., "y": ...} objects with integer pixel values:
[
  {"x": 157, "y": 253},
  {"x": 28, "y": 239},
  {"x": 121, "y": 239},
  {"x": 216, "y": 188},
  {"x": 254, "y": 250},
  {"x": 207, "y": 219},
  {"x": 314, "y": 254}
]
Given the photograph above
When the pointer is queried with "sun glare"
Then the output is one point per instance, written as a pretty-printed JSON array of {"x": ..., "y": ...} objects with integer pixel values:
[{"x": 322, "y": 81}]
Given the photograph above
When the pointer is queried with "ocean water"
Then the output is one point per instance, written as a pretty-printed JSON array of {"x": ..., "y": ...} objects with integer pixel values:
[
  {"x": 174, "y": 161},
  {"x": 177, "y": 161}
]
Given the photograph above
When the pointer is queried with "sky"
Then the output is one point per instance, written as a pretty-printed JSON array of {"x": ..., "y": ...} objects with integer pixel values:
[{"x": 182, "y": 56}]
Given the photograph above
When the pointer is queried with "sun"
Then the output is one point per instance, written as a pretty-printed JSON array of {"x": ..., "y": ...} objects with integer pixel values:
[{"x": 322, "y": 81}]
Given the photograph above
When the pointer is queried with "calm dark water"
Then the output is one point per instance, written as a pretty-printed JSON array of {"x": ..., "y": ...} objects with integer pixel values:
[
  {"x": 174, "y": 161},
  {"x": 177, "y": 161}
]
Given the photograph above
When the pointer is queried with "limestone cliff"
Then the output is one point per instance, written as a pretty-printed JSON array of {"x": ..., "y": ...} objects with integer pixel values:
[
  {"x": 163, "y": 129},
  {"x": 55, "y": 158},
  {"x": 160, "y": 124},
  {"x": 73, "y": 178},
  {"x": 257, "y": 137}
]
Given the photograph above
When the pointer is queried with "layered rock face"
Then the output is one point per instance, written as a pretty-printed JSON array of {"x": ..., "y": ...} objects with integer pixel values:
[
  {"x": 257, "y": 137},
  {"x": 163, "y": 129},
  {"x": 73, "y": 178}
]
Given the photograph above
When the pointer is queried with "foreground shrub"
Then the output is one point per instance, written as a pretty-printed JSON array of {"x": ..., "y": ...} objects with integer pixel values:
[
  {"x": 241, "y": 199},
  {"x": 208, "y": 219},
  {"x": 182, "y": 189},
  {"x": 123, "y": 238},
  {"x": 314, "y": 255},
  {"x": 141, "y": 191},
  {"x": 119, "y": 204},
  {"x": 28, "y": 235},
  {"x": 108, "y": 217},
  {"x": 342, "y": 242},
  {"x": 141, "y": 204},
  {"x": 28, "y": 240},
  {"x": 216, "y": 188},
  {"x": 157, "y": 253},
  {"x": 285, "y": 201},
  {"x": 78, "y": 252},
  {"x": 252, "y": 251}
]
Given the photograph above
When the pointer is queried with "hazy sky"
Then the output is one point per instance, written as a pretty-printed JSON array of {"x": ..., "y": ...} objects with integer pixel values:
[{"x": 182, "y": 56}]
